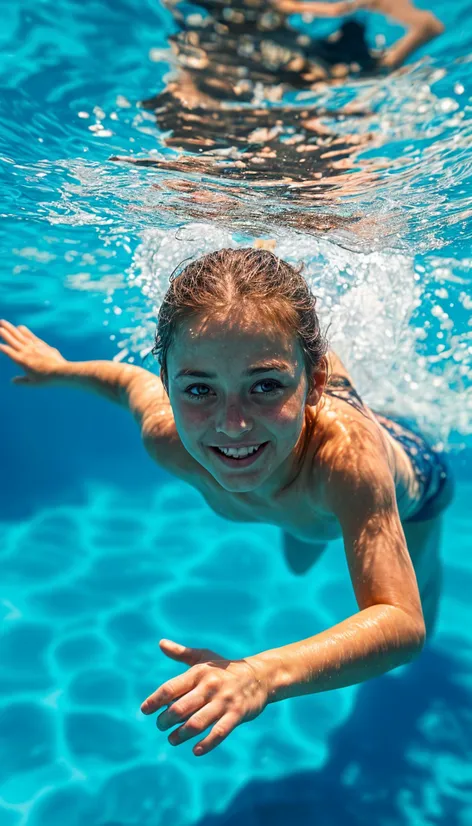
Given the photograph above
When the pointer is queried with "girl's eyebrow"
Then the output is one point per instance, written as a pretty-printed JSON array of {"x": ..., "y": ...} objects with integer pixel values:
[{"x": 273, "y": 364}]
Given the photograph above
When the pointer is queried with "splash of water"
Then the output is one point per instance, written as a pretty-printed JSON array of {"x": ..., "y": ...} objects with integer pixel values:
[{"x": 388, "y": 319}]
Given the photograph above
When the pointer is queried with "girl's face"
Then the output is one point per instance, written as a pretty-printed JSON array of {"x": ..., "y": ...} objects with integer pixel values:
[{"x": 239, "y": 384}]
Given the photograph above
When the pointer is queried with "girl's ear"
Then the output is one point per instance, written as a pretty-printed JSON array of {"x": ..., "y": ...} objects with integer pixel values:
[{"x": 318, "y": 379}]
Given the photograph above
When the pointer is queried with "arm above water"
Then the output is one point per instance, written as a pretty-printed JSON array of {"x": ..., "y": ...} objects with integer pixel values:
[
  {"x": 389, "y": 630},
  {"x": 319, "y": 9},
  {"x": 133, "y": 387},
  {"x": 421, "y": 25}
]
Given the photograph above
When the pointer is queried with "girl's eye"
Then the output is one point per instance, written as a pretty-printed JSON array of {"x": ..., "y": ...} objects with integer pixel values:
[
  {"x": 197, "y": 387},
  {"x": 272, "y": 389}
]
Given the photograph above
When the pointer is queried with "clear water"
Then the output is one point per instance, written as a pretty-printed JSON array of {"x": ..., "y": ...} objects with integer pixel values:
[{"x": 102, "y": 553}]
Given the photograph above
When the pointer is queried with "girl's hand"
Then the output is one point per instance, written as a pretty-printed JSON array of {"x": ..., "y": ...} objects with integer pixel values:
[
  {"x": 39, "y": 361},
  {"x": 213, "y": 692}
]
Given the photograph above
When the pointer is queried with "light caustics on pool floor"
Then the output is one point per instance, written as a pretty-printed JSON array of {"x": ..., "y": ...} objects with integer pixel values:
[{"x": 79, "y": 653}]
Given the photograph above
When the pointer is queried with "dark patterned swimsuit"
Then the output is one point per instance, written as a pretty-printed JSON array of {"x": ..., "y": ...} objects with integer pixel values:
[{"x": 430, "y": 465}]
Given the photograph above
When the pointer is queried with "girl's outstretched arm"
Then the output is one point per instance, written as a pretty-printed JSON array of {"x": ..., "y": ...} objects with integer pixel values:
[
  {"x": 389, "y": 629},
  {"x": 133, "y": 387}
]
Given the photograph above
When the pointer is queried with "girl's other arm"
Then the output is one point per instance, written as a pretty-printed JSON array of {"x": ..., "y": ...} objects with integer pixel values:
[
  {"x": 133, "y": 387},
  {"x": 389, "y": 629}
]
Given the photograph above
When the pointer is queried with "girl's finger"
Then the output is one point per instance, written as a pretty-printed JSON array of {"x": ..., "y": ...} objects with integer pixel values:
[
  {"x": 27, "y": 332},
  {"x": 219, "y": 732},
  {"x": 13, "y": 354},
  {"x": 181, "y": 710},
  {"x": 170, "y": 691},
  {"x": 14, "y": 331},
  {"x": 10, "y": 338},
  {"x": 177, "y": 652},
  {"x": 197, "y": 723},
  {"x": 182, "y": 653}
]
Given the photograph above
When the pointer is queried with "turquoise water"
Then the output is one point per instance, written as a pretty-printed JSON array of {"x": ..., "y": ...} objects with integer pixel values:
[{"x": 102, "y": 553}]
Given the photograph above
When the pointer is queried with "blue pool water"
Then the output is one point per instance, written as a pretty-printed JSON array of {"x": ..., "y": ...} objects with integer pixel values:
[{"x": 102, "y": 553}]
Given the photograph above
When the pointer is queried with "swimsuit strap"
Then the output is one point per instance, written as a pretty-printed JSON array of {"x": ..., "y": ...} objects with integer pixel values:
[
  {"x": 430, "y": 466},
  {"x": 341, "y": 388}
]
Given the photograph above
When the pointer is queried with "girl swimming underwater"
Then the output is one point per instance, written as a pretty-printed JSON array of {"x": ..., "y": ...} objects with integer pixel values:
[{"x": 252, "y": 410}]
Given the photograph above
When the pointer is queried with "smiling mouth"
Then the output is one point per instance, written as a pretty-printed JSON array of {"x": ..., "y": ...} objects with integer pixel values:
[{"x": 239, "y": 457}]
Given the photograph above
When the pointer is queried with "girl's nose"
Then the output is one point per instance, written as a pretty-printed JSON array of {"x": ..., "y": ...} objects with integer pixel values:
[{"x": 233, "y": 421}]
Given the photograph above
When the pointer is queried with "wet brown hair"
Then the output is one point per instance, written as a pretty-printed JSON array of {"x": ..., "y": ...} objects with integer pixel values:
[{"x": 237, "y": 277}]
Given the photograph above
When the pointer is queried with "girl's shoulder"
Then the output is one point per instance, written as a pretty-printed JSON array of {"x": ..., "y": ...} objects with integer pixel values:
[{"x": 348, "y": 445}]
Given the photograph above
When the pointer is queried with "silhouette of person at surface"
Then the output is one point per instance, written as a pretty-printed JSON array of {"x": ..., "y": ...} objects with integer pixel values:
[{"x": 234, "y": 62}]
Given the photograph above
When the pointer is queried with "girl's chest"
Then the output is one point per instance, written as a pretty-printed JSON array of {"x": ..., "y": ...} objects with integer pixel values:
[{"x": 292, "y": 512}]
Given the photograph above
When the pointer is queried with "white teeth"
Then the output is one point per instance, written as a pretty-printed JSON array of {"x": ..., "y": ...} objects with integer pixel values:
[{"x": 240, "y": 452}]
